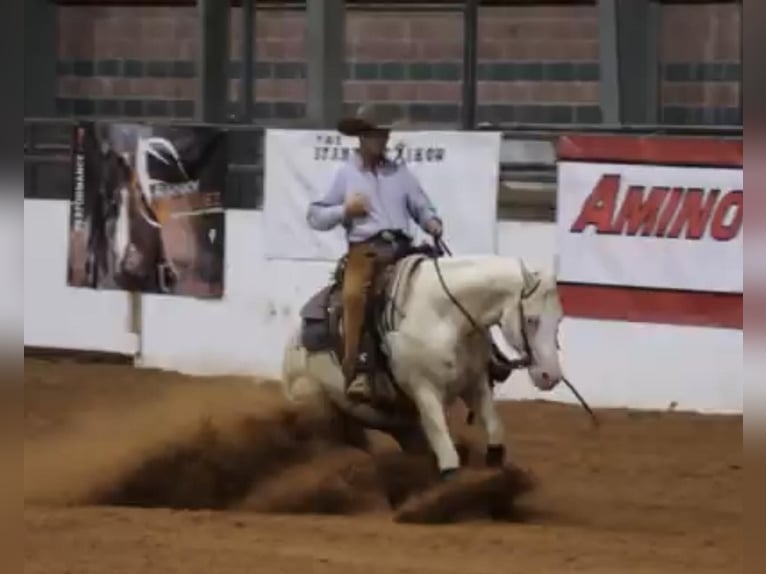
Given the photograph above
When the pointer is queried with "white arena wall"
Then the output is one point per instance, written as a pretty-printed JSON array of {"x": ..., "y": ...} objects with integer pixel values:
[{"x": 614, "y": 364}]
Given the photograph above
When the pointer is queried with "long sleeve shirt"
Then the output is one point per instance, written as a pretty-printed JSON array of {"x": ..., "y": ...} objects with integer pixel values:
[{"x": 393, "y": 194}]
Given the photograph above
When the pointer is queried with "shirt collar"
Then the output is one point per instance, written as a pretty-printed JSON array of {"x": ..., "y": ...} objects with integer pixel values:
[{"x": 386, "y": 166}]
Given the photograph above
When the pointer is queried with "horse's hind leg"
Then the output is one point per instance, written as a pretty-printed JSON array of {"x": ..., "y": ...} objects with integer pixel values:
[
  {"x": 411, "y": 440},
  {"x": 308, "y": 393},
  {"x": 351, "y": 432}
]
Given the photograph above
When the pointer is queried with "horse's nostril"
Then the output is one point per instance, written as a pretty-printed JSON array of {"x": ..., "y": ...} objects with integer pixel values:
[{"x": 546, "y": 377}]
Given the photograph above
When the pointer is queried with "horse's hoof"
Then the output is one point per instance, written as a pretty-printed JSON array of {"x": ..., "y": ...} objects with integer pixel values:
[
  {"x": 464, "y": 454},
  {"x": 495, "y": 455},
  {"x": 448, "y": 474}
]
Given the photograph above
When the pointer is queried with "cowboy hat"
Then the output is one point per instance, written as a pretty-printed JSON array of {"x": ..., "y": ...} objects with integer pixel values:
[{"x": 368, "y": 118}]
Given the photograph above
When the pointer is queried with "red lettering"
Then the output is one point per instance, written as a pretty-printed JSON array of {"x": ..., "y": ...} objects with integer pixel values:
[
  {"x": 694, "y": 215},
  {"x": 676, "y": 195},
  {"x": 719, "y": 229},
  {"x": 662, "y": 212},
  {"x": 598, "y": 209},
  {"x": 639, "y": 213}
]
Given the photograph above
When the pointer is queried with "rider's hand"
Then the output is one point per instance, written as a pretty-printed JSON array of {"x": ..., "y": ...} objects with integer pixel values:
[
  {"x": 356, "y": 205},
  {"x": 434, "y": 228}
]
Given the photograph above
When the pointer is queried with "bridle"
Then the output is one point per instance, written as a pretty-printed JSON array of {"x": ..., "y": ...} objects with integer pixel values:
[{"x": 526, "y": 360}]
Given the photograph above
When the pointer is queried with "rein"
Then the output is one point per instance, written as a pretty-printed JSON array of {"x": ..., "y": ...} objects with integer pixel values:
[
  {"x": 523, "y": 362},
  {"x": 513, "y": 363}
]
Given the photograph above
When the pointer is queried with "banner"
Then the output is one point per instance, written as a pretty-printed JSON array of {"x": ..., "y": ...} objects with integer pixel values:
[
  {"x": 146, "y": 209},
  {"x": 652, "y": 227},
  {"x": 459, "y": 171}
]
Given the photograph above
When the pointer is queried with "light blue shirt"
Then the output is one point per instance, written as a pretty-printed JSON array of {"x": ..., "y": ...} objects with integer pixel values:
[{"x": 394, "y": 196}]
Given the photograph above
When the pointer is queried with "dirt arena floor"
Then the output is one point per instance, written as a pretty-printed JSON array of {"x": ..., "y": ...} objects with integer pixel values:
[{"x": 130, "y": 471}]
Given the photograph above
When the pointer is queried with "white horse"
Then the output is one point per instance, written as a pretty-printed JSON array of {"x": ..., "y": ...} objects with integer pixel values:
[{"x": 439, "y": 347}]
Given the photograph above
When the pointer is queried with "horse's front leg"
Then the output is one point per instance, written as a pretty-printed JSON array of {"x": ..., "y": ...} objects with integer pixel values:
[
  {"x": 432, "y": 417},
  {"x": 482, "y": 403}
]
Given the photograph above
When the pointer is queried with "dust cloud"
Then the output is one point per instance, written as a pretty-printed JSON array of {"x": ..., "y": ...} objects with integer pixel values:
[{"x": 240, "y": 446}]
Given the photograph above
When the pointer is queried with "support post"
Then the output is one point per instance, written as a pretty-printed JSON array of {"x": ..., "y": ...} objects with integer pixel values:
[
  {"x": 246, "y": 77},
  {"x": 136, "y": 324},
  {"x": 326, "y": 39},
  {"x": 629, "y": 53},
  {"x": 609, "y": 86},
  {"x": 213, "y": 61},
  {"x": 470, "y": 62},
  {"x": 39, "y": 63}
]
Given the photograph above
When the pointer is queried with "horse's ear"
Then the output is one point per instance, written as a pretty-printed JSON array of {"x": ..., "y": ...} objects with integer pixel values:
[{"x": 537, "y": 279}]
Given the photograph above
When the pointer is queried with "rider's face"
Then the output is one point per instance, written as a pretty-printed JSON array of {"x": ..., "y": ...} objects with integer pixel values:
[{"x": 373, "y": 145}]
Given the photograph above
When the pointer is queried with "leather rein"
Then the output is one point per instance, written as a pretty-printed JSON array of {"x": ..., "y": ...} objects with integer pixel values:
[
  {"x": 520, "y": 363},
  {"x": 524, "y": 361}
]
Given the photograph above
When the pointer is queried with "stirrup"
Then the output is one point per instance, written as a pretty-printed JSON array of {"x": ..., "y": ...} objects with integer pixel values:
[{"x": 363, "y": 392}]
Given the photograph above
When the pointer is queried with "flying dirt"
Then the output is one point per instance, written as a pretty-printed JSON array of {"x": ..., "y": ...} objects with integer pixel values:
[
  {"x": 224, "y": 444},
  {"x": 131, "y": 469}
]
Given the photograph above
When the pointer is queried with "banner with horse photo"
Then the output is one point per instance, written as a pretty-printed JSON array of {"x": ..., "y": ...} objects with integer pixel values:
[
  {"x": 459, "y": 171},
  {"x": 146, "y": 209}
]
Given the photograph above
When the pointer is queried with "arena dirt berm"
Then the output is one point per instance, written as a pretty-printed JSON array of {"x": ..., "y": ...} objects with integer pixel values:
[{"x": 112, "y": 436}]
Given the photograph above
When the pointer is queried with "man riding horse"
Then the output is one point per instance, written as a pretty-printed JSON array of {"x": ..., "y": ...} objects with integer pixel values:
[{"x": 374, "y": 199}]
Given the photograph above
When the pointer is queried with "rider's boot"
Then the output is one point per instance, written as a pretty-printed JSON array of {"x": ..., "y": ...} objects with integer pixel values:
[
  {"x": 357, "y": 384},
  {"x": 357, "y": 278},
  {"x": 359, "y": 389}
]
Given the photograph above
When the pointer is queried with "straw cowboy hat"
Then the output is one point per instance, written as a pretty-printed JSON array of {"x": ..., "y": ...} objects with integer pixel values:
[{"x": 370, "y": 118}]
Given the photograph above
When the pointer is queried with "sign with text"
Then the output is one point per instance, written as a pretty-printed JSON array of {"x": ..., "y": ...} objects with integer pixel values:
[
  {"x": 459, "y": 172},
  {"x": 650, "y": 229},
  {"x": 651, "y": 226}
]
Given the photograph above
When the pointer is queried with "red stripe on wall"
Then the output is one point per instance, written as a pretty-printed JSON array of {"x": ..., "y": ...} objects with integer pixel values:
[
  {"x": 651, "y": 150},
  {"x": 693, "y": 308}
]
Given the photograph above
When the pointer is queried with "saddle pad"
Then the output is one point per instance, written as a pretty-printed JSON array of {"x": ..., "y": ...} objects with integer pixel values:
[
  {"x": 315, "y": 336},
  {"x": 316, "y": 307}
]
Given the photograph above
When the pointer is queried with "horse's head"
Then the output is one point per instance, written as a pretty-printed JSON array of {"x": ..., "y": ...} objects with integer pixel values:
[
  {"x": 160, "y": 174},
  {"x": 530, "y": 324},
  {"x": 115, "y": 175}
]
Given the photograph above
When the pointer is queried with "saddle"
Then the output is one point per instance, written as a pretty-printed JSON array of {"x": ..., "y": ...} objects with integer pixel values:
[
  {"x": 322, "y": 320},
  {"x": 322, "y": 314}
]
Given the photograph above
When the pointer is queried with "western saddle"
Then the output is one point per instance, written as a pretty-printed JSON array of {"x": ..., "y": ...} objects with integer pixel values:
[{"x": 322, "y": 321}]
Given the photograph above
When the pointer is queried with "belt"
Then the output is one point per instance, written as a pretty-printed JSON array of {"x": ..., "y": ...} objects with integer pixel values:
[
  {"x": 390, "y": 237},
  {"x": 387, "y": 239}
]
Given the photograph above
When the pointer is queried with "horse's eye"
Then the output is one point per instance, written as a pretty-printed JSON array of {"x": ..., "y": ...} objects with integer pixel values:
[{"x": 533, "y": 321}]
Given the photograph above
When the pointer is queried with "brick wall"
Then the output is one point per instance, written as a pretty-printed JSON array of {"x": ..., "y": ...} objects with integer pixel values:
[
  {"x": 701, "y": 65},
  {"x": 537, "y": 63}
]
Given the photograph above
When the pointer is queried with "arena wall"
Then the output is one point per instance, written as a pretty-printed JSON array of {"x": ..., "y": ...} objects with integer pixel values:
[{"x": 614, "y": 363}]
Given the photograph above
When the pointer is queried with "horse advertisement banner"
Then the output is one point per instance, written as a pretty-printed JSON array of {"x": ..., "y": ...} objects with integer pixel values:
[
  {"x": 459, "y": 171},
  {"x": 146, "y": 209}
]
